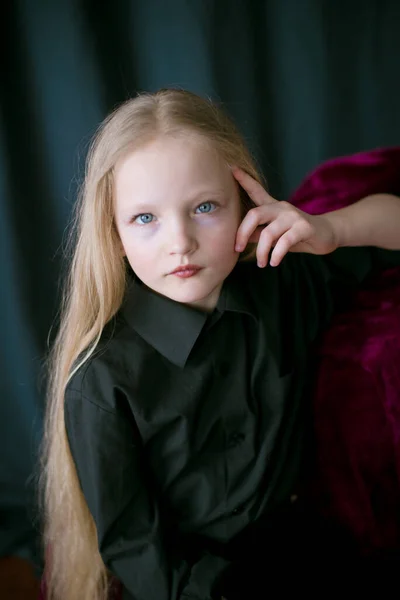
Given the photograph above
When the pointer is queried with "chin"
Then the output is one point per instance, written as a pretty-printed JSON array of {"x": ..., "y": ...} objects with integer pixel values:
[{"x": 188, "y": 296}]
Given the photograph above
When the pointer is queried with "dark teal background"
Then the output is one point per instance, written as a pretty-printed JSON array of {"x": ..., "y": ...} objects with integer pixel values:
[{"x": 304, "y": 79}]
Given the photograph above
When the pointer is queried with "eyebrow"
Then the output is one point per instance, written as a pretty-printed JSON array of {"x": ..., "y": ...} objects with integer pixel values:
[{"x": 142, "y": 207}]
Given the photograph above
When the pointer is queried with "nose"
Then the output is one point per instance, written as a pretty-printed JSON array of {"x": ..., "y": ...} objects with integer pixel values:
[{"x": 181, "y": 238}]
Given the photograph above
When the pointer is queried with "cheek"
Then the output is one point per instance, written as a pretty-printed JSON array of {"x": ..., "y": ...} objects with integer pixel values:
[
  {"x": 139, "y": 250},
  {"x": 224, "y": 228},
  {"x": 220, "y": 241},
  {"x": 138, "y": 239},
  {"x": 223, "y": 223}
]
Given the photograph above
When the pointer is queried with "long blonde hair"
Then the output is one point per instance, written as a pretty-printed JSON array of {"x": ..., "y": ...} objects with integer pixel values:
[{"x": 93, "y": 293}]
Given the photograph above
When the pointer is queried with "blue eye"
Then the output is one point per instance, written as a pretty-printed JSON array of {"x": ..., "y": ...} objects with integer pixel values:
[
  {"x": 144, "y": 218},
  {"x": 206, "y": 207}
]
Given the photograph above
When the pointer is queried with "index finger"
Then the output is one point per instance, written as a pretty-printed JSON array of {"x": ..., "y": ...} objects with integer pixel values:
[{"x": 254, "y": 189}]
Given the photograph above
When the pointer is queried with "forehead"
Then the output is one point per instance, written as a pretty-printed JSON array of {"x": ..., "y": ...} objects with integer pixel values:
[{"x": 171, "y": 168}]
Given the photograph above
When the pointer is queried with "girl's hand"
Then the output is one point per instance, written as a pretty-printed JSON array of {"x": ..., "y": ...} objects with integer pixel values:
[{"x": 280, "y": 225}]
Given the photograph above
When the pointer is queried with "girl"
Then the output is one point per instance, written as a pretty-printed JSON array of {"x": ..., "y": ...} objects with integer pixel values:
[{"x": 177, "y": 420}]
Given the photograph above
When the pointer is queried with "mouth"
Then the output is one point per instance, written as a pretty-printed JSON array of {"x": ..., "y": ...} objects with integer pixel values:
[{"x": 186, "y": 271}]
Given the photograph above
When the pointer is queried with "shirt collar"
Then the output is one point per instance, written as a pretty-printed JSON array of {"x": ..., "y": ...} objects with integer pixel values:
[{"x": 171, "y": 327}]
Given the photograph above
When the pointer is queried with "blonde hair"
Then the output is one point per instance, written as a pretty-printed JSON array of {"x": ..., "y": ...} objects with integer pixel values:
[{"x": 93, "y": 293}]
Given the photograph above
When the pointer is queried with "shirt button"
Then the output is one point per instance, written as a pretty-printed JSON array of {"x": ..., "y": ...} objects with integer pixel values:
[{"x": 238, "y": 510}]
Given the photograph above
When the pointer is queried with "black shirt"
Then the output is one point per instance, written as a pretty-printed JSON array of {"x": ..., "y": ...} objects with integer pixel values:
[{"x": 186, "y": 427}]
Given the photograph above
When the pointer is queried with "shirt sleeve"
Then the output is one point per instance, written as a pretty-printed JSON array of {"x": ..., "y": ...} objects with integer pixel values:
[
  {"x": 346, "y": 269},
  {"x": 133, "y": 538},
  {"x": 310, "y": 288}
]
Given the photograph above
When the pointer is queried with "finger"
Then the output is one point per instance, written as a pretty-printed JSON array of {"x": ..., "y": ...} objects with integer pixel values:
[
  {"x": 255, "y": 236},
  {"x": 254, "y": 189},
  {"x": 268, "y": 238},
  {"x": 261, "y": 215},
  {"x": 289, "y": 240}
]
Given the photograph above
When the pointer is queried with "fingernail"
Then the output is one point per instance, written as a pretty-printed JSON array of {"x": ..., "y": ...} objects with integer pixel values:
[{"x": 238, "y": 247}]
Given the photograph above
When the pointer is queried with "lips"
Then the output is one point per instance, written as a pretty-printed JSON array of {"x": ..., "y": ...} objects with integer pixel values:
[{"x": 186, "y": 270}]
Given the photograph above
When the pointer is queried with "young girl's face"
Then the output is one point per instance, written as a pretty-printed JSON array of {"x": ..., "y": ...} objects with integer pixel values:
[{"x": 177, "y": 207}]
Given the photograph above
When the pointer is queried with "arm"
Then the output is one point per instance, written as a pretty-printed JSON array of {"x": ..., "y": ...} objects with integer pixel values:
[
  {"x": 372, "y": 221},
  {"x": 279, "y": 227},
  {"x": 134, "y": 542}
]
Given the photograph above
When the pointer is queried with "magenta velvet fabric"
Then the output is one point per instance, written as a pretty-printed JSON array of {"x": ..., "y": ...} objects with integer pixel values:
[{"x": 357, "y": 397}]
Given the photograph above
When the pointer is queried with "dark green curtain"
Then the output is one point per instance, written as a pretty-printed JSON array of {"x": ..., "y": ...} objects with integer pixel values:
[{"x": 304, "y": 79}]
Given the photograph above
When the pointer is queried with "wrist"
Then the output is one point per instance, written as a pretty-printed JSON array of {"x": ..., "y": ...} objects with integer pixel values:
[{"x": 338, "y": 228}]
